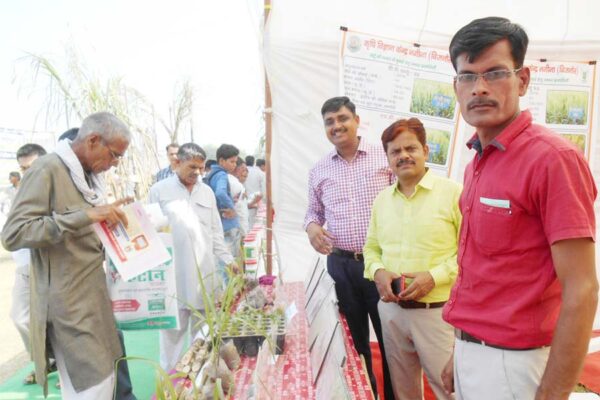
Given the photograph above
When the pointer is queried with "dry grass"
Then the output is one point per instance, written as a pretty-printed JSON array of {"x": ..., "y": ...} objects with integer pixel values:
[{"x": 76, "y": 91}]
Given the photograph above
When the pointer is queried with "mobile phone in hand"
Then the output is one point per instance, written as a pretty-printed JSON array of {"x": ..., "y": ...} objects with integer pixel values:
[{"x": 398, "y": 285}]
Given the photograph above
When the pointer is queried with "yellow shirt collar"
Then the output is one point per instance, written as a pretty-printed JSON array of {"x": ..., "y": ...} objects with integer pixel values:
[{"x": 426, "y": 182}]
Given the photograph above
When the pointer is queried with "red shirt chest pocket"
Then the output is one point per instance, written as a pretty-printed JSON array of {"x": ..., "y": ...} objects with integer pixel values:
[{"x": 493, "y": 228}]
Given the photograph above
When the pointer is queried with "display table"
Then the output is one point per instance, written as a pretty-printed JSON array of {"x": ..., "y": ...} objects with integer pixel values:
[{"x": 292, "y": 377}]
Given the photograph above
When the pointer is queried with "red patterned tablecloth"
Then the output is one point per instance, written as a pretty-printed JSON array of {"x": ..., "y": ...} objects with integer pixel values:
[{"x": 292, "y": 378}]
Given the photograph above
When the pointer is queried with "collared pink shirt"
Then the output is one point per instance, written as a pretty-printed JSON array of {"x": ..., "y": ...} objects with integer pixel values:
[
  {"x": 340, "y": 193},
  {"x": 522, "y": 194}
]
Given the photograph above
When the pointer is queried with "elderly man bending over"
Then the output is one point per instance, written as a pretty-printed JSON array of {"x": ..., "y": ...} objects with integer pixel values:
[{"x": 60, "y": 198}]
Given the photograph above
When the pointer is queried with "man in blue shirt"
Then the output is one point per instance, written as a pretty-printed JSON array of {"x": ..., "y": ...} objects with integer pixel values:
[{"x": 227, "y": 155}]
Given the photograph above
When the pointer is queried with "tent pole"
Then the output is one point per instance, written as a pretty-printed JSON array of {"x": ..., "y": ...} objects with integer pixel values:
[{"x": 268, "y": 140}]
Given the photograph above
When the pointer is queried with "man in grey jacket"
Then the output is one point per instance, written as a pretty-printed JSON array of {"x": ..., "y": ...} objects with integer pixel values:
[{"x": 61, "y": 196}]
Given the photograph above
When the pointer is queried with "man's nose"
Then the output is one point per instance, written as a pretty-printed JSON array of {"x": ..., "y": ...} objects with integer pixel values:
[
  {"x": 480, "y": 87},
  {"x": 402, "y": 154}
]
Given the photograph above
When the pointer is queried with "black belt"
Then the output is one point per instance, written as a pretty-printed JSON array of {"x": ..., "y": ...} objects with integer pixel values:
[
  {"x": 418, "y": 304},
  {"x": 347, "y": 254},
  {"x": 467, "y": 337}
]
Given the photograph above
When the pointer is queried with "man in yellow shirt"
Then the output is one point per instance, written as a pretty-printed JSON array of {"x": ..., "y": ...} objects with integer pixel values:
[{"x": 413, "y": 233}]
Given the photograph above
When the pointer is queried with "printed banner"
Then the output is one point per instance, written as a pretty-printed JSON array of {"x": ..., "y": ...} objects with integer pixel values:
[
  {"x": 389, "y": 80},
  {"x": 560, "y": 96}
]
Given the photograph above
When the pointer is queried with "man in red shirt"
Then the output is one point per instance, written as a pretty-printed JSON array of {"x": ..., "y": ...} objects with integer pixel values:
[{"x": 526, "y": 294}]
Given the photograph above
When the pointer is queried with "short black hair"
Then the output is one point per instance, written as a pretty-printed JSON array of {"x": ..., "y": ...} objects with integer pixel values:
[
  {"x": 71, "y": 134},
  {"x": 250, "y": 161},
  {"x": 30, "y": 149},
  {"x": 482, "y": 33},
  {"x": 260, "y": 162},
  {"x": 209, "y": 163},
  {"x": 226, "y": 151},
  {"x": 239, "y": 162},
  {"x": 187, "y": 151},
  {"x": 171, "y": 145},
  {"x": 14, "y": 174},
  {"x": 335, "y": 103}
]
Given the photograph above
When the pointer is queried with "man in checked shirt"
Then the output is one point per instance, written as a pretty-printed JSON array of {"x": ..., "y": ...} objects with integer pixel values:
[{"x": 341, "y": 189}]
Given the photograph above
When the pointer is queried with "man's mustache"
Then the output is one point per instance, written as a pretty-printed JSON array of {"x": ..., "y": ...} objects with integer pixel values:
[
  {"x": 405, "y": 161},
  {"x": 481, "y": 101}
]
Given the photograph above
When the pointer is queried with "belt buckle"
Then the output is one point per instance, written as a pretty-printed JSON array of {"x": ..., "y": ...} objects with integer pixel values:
[{"x": 356, "y": 256}]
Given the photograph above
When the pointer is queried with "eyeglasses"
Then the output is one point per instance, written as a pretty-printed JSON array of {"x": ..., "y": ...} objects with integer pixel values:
[
  {"x": 114, "y": 156},
  {"x": 490, "y": 76}
]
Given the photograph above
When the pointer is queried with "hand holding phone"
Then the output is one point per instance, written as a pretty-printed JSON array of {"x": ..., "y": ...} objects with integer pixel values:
[{"x": 398, "y": 285}]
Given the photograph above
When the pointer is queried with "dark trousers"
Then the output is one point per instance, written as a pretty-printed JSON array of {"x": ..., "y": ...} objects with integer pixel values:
[
  {"x": 124, "y": 389},
  {"x": 357, "y": 300}
]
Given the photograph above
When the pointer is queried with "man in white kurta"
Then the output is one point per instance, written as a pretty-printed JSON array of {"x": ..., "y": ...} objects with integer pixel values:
[
  {"x": 191, "y": 208},
  {"x": 238, "y": 193},
  {"x": 256, "y": 186}
]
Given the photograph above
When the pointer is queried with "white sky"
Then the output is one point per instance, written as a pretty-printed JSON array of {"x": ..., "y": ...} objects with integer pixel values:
[{"x": 151, "y": 45}]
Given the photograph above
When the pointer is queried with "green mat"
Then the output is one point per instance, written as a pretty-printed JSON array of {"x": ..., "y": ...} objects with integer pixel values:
[{"x": 137, "y": 343}]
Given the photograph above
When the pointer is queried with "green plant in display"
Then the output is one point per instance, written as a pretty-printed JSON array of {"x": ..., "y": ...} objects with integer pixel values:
[
  {"x": 433, "y": 98},
  {"x": 577, "y": 140},
  {"x": 566, "y": 107},
  {"x": 439, "y": 143},
  {"x": 217, "y": 322},
  {"x": 216, "y": 318},
  {"x": 216, "y": 314},
  {"x": 258, "y": 323}
]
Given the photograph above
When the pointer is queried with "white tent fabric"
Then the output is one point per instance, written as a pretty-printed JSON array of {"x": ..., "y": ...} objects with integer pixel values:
[{"x": 301, "y": 51}]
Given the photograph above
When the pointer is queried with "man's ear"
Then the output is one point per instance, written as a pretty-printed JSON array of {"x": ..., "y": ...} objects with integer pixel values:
[
  {"x": 524, "y": 76},
  {"x": 93, "y": 140}
]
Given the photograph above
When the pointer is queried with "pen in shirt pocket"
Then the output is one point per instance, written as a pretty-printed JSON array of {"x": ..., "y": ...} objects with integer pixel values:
[{"x": 498, "y": 203}]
